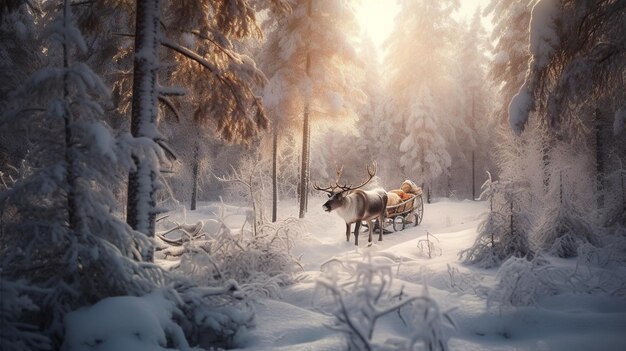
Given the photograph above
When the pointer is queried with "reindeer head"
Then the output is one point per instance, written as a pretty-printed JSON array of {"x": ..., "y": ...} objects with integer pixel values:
[{"x": 337, "y": 193}]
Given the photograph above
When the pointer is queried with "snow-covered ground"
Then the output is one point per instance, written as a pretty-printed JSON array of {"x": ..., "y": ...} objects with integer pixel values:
[
  {"x": 297, "y": 321},
  {"x": 561, "y": 322}
]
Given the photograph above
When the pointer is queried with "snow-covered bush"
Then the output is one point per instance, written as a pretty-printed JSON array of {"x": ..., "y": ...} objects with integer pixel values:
[
  {"x": 361, "y": 293},
  {"x": 428, "y": 247},
  {"x": 431, "y": 326},
  {"x": 520, "y": 282},
  {"x": 562, "y": 228},
  {"x": 504, "y": 232},
  {"x": 464, "y": 282},
  {"x": 125, "y": 323},
  {"x": 15, "y": 303},
  {"x": 212, "y": 316},
  {"x": 260, "y": 263}
]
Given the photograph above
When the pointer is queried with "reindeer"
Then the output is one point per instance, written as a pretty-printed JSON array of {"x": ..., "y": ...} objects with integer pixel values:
[{"x": 355, "y": 205}]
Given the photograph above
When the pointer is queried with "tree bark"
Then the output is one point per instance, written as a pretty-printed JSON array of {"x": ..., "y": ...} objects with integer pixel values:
[
  {"x": 194, "y": 174},
  {"x": 306, "y": 133},
  {"x": 473, "y": 177},
  {"x": 73, "y": 217},
  {"x": 304, "y": 166},
  {"x": 599, "y": 161},
  {"x": 274, "y": 175},
  {"x": 141, "y": 210}
]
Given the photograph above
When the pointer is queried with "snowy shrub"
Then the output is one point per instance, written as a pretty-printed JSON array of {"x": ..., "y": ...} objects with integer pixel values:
[
  {"x": 504, "y": 232},
  {"x": 262, "y": 264},
  {"x": 562, "y": 228},
  {"x": 212, "y": 316},
  {"x": 164, "y": 319},
  {"x": 465, "y": 282},
  {"x": 431, "y": 326},
  {"x": 125, "y": 323},
  {"x": 428, "y": 247},
  {"x": 361, "y": 294},
  {"x": 520, "y": 282},
  {"x": 15, "y": 303}
]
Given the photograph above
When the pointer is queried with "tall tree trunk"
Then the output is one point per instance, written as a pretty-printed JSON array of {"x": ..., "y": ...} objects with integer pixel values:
[
  {"x": 472, "y": 128},
  {"x": 274, "y": 174},
  {"x": 304, "y": 165},
  {"x": 73, "y": 216},
  {"x": 306, "y": 133},
  {"x": 473, "y": 176},
  {"x": 545, "y": 156},
  {"x": 194, "y": 174},
  {"x": 599, "y": 160},
  {"x": 141, "y": 210}
]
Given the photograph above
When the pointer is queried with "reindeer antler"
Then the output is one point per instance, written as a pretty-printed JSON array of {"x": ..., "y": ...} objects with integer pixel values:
[
  {"x": 331, "y": 188},
  {"x": 371, "y": 171}
]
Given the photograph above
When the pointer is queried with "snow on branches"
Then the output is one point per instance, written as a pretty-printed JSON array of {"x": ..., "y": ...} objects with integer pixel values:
[{"x": 361, "y": 293}]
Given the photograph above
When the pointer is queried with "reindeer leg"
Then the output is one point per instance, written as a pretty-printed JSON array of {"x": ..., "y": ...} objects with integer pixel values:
[
  {"x": 347, "y": 231},
  {"x": 357, "y": 226},
  {"x": 370, "y": 224}
]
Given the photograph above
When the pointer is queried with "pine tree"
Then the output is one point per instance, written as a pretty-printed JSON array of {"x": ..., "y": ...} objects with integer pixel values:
[
  {"x": 419, "y": 71},
  {"x": 510, "y": 19},
  {"x": 475, "y": 127},
  {"x": 59, "y": 228},
  {"x": 233, "y": 73},
  {"x": 309, "y": 58}
]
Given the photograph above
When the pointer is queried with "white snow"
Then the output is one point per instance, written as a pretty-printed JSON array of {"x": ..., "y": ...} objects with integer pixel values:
[
  {"x": 561, "y": 322},
  {"x": 519, "y": 108},
  {"x": 298, "y": 321},
  {"x": 543, "y": 35},
  {"x": 124, "y": 323}
]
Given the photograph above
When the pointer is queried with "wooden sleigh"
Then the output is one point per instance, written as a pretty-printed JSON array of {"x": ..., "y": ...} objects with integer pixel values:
[
  {"x": 409, "y": 211},
  {"x": 399, "y": 216}
]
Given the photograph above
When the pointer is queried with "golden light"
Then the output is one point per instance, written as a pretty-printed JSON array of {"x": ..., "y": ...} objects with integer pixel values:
[{"x": 376, "y": 18}]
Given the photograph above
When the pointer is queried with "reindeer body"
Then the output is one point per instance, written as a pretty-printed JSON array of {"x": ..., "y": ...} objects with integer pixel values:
[
  {"x": 359, "y": 205},
  {"x": 355, "y": 205}
]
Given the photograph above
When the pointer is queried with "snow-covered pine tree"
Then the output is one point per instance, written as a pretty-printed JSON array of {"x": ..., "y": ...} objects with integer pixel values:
[
  {"x": 310, "y": 58},
  {"x": 142, "y": 181},
  {"x": 510, "y": 19},
  {"x": 212, "y": 24},
  {"x": 577, "y": 57},
  {"x": 567, "y": 221},
  {"x": 574, "y": 85},
  {"x": 475, "y": 127},
  {"x": 423, "y": 149},
  {"x": 226, "y": 99},
  {"x": 419, "y": 72},
  {"x": 374, "y": 130},
  {"x": 59, "y": 228},
  {"x": 504, "y": 233},
  {"x": 19, "y": 58}
]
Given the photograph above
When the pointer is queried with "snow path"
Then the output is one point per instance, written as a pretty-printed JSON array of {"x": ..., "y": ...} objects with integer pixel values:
[{"x": 562, "y": 322}]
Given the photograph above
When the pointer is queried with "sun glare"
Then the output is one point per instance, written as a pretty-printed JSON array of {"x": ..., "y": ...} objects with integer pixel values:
[{"x": 376, "y": 17}]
